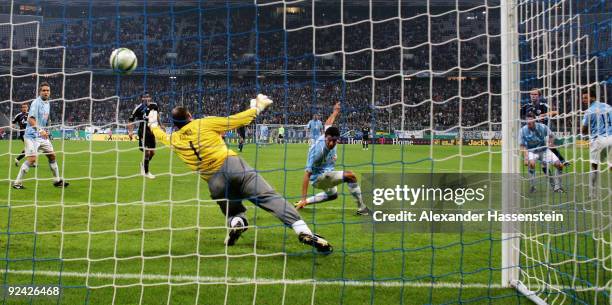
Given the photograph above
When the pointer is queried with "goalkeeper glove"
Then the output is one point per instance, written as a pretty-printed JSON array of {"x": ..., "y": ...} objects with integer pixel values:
[
  {"x": 153, "y": 119},
  {"x": 260, "y": 103}
]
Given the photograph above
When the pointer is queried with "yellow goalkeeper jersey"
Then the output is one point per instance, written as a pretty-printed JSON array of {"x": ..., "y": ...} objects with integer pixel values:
[{"x": 199, "y": 143}]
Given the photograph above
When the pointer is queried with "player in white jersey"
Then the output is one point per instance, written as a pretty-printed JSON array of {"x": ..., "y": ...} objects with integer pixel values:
[
  {"x": 597, "y": 124},
  {"x": 36, "y": 138},
  {"x": 320, "y": 171}
]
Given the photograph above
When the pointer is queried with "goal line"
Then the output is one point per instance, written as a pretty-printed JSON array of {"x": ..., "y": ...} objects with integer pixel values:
[{"x": 212, "y": 280}]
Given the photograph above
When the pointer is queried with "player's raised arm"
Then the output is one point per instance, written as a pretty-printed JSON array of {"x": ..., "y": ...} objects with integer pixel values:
[
  {"x": 332, "y": 117},
  {"x": 223, "y": 124}
]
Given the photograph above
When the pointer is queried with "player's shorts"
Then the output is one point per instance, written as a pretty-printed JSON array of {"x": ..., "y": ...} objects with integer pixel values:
[
  {"x": 33, "y": 146},
  {"x": 280, "y": 136},
  {"x": 600, "y": 149},
  {"x": 149, "y": 141},
  {"x": 544, "y": 156},
  {"x": 263, "y": 139},
  {"x": 328, "y": 180}
]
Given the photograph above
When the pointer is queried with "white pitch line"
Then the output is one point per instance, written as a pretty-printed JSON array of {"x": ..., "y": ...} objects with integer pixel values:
[
  {"x": 71, "y": 204},
  {"x": 260, "y": 281}
]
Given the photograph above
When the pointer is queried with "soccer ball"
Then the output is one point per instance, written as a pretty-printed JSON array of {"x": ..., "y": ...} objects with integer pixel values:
[{"x": 123, "y": 60}]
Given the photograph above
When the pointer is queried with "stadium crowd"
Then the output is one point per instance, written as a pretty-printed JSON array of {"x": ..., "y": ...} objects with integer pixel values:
[
  {"x": 296, "y": 100},
  {"x": 173, "y": 48},
  {"x": 186, "y": 39}
]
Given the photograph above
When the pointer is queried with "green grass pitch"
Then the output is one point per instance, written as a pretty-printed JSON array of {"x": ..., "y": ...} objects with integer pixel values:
[{"x": 132, "y": 240}]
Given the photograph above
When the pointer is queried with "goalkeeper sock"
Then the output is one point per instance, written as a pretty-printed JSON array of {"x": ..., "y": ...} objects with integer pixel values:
[
  {"x": 356, "y": 193},
  {"x": 301, "y": 227},
  {"x": 240, "y": 145},
  {"x": 21, "y": 156},
  {"x": 22, "y": 171},
  {"x": 146, "y": 165},
  {"x": 54, "y": 170},
  {"x": 532, "y": 181}
]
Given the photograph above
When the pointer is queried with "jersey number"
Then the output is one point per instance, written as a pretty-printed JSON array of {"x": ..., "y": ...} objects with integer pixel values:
[{"x": 194, "y": 150}]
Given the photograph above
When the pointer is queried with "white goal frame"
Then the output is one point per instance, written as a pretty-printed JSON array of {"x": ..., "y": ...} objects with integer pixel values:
[{"x": 510, "y": 81}]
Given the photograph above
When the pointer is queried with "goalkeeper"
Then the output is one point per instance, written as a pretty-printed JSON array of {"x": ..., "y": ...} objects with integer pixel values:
[{"x": 198, "y": 143}]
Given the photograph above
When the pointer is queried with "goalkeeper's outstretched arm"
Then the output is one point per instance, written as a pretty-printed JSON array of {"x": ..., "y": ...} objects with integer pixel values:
[
  {"x": 157, "y": 130},
  {"x": 223, "y": 124}
]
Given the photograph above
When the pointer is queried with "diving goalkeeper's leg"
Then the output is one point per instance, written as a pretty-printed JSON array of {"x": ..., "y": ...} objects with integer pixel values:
[
  {"x": 248, "y": 184},
  {"x": 234, "y": 211}
]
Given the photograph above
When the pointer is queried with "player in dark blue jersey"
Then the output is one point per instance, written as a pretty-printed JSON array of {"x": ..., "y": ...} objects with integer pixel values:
[
  {"x": 146, "y": 139},
  {"x": 20, "y": 121},
  {"x": 365, "y": 137},
  {"x": 539, "y": 107},
  {"x": 241, "y": 131}
]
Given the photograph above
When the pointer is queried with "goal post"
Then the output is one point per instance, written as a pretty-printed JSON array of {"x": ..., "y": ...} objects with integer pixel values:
[
  {"x": 510, "y": 130},
  {"x": 554, "y": 48}
]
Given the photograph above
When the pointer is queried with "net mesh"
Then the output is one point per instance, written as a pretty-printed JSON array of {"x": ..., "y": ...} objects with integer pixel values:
[
  {"x": 564, "y": 49},
  {"x": 423, "y": 72}
]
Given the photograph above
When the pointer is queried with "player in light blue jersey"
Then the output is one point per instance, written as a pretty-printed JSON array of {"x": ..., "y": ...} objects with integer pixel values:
[
  {"x": 314, "y": 127},
  {"x": 264, "y": 133},
  {"x": 320, "y": 171},
  {"x": 36, "y": 138},
  {"x": 597, "y": 124},
  {"x": 536, "y": 140}
]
